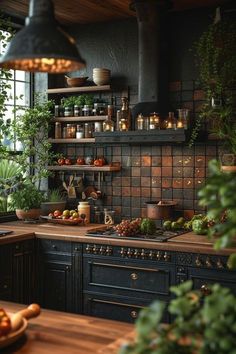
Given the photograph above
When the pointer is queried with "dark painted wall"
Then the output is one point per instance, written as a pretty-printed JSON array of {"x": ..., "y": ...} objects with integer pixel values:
[{"x": 148, "y": 172}]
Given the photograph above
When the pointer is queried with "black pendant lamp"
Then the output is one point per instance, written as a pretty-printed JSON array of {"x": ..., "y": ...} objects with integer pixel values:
[{"x": 42, "y": 46}]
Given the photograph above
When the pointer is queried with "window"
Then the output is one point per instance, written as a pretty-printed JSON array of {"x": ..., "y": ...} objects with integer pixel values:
[
  {"x": 18, "y": 92},
  {"x": 18, "y": 95}
]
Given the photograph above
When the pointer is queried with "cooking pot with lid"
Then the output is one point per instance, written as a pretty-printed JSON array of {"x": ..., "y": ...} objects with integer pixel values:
[{"x": 160, "y": 210}]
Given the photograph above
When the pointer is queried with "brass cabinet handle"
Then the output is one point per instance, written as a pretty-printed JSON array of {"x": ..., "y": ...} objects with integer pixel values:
[
  {"x": 134, "y": 314},
  {"x": 205, "y": 290},
  {"x": 128, "y": 267},
  {"x": 134, "y": 276},
  {"x": 116, "y": 303}
]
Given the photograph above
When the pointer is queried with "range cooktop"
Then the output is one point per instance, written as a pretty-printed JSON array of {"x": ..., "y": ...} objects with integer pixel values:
[{"x": 160, "y": 235}]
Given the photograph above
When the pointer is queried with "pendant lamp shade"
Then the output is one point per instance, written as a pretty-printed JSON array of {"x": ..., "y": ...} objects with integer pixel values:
[{"x": 42, "y": 46}]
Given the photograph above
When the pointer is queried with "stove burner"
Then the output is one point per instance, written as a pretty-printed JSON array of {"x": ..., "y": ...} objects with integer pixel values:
[{"x": 159, "y": 236}]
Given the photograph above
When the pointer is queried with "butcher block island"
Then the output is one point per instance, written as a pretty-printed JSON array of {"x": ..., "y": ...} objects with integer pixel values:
[{"x": 57, "y": 332}]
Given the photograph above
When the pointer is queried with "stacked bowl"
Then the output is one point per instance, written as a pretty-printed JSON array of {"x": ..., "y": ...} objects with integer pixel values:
[{"x": 101, "y": 76}]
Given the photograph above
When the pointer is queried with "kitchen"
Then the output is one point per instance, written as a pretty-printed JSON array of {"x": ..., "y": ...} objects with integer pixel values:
[{"x": 150, "y": 171}]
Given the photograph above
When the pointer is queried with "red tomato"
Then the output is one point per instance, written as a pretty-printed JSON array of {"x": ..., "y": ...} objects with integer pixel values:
[
  {"x": 57, "y": 213},
  {"x": 61, "y": 161},
  {"x": 80, "y": 161},
  {"x": 67, "y": 161},
  {"x": 97, "y": 162}
]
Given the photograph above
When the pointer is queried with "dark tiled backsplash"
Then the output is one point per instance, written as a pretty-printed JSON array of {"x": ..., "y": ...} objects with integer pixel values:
[{"x": 151, "y": 173}]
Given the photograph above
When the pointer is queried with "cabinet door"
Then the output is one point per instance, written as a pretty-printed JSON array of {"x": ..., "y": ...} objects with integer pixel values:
[
  {"x": 204, "y": 277},
  {"x": 23, "y": 272},
  {"x": 115, "y": 308},
  {"x": 5, "y": 273},
  {"x": 56, "y": 286}
]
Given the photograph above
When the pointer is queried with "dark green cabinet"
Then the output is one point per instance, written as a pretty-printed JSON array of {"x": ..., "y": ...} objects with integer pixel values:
[
  {"x": 59, "y": 274},
  {"x": 17, "y": 272}
]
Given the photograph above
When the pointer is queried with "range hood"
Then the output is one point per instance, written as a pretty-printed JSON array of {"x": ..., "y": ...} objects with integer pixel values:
[{"x": 153, "y": 78}]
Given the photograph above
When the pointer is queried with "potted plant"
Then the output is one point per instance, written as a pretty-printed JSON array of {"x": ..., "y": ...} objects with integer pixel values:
[
  {"x": 55, "y": 200},
  {"x": 27, "y": 201},
  {"x": 201, "y": 324},
  {"x": 215, "y": 58}
]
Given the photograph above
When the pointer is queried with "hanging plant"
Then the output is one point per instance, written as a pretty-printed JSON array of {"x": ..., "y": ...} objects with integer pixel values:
[{"x": 216, "y": 60}]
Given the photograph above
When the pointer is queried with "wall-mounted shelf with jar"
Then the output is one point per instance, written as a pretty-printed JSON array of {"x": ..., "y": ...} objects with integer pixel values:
[{"x": 79, "y": 89}]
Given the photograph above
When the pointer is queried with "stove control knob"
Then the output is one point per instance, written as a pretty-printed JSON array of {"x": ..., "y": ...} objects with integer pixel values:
[
  {"x": 109, "y": 251},
  {"x": 95, "y": 249},
  {"x": 136, "y": 253},
  {"x": 151, "y": 255},
  {"x": 88, "y": 249},
  {"x": 166, "y": 257},
  {"x": 208, "y": 263},
  {"x": 219, "y": 263},
  {"x": 198, "y": 261},
  {"x": 130, "y": 252},
  {"x": 102, "y": 250},
  {"x": 159, "y": 255},
  {"x": 123, "y": 252},
  {"x": 143, "y": 253}
]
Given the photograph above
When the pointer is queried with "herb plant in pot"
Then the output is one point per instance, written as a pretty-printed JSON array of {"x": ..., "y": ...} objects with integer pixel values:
[
  {"x": 55, "y": 201},
  {"x": 27, "y": 202}
]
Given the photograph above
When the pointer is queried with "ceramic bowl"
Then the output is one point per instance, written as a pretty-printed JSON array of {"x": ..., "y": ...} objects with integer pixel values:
[{"x": 76, "y": 81}]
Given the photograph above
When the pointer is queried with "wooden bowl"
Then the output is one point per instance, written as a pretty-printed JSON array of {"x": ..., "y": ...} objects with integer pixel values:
[{"x": 76, "y": 81}]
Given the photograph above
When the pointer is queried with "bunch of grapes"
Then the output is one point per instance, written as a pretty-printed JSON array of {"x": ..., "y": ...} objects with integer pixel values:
[{"x": 128, "y": 227}]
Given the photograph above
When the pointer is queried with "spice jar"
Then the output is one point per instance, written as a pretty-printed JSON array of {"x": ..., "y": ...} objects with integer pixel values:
[
  {"x": 108, "y": 125},
  {"x": 171, "y": 121},
  {"x": 140, "y": 122},
  {"x": 57, "y": 130},
  {"x": 154, "y": 121},
  {"x": 76, "y": 110},
  {"x": 87, "y": 130},
  {"x": 98, "y": 127},
  {"x": 183, "y": 118},
  {"x": 68, "y": 112},
  {"x": 79, "y": 132},
  {"x": 86, "y": 110},
  {"x": 84, "y": 208},
  {"x": 70, "y": 131},
  {"x": 56, "y": 110}
]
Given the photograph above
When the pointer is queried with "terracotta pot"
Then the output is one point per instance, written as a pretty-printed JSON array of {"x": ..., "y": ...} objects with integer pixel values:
[
  {"x": 31, "y": 214},
  {"x": 160, "y": 210}
]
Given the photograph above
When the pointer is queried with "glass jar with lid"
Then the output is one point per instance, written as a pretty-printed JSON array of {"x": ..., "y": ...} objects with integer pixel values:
[
  {"x": 154, "y": 121},
  {"x": 88, "y": 131},
  {"x": 70, "y": 131},
  {"x": 108, "y": 125},
  {"x": 57, "y": 130},
  {"x": 79, "y": 132},
  {"x": 140, "y": 122},
  {"x": 68, "y": 111},
  {"x": 86, "y": 110}
]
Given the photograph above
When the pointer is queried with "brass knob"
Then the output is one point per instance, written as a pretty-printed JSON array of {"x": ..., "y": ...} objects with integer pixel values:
[
  {"x": 143, "y": 254},
  {"x": 150, "y": 255},
  {"x": 205, "y": 290},
  {"x": 198, "y": 262},
  {"x": 123, "y": 252},
  {"x": 166, "y": 257},
  {"x": 102, "y": 250},
  {"x": 134, "y": 276},
  {"x": 136, "y": 253},
  {"x": 208, "y": 262},
  {"x": 95, "y": 249},
  {"x": 88, "y": 249},
  {"x": 108, "y": 251},
  {"x": 68, "y": 268},
  {"x": 76, "y": 248},
  {"x": 219, "y": 264},
  {"x": 129, "y": 252},
  {"x": 53, "y": 246},
  {"x": 159, "y": 255},
  {"x": 134, "y": 314},
  {"x": 5, "y": 286}
]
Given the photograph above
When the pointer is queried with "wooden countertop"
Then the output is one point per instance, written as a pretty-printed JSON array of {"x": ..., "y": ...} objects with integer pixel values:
[
  {"x": 188, "y": 242},
  {"x": 59, "y": 332}
]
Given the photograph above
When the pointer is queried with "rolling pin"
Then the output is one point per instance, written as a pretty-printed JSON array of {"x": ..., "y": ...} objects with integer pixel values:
[{"x": 31, "y": 311}]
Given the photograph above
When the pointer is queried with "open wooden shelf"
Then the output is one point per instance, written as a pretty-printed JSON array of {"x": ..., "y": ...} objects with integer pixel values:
[
  {"x": 79, "y": 119},
  {"x": 79, "y": 89},
  {"x": 73, "y": 141},
  {"x": 92, "y": 168},
  {"x": 142, "y": 136}
]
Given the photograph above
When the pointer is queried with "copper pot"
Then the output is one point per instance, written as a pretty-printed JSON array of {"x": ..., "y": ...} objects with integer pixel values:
[{"x": 160, "y": 210}]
